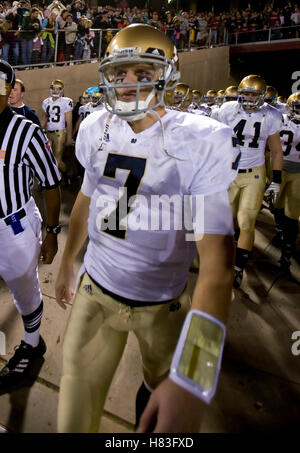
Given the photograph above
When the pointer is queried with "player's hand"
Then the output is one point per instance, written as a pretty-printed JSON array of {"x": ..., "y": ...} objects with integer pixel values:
[
  {"x": 171, "y": 409},
  {"x": 64, "y": 285},
  {"x": 274, "y": 187},
  {"x": 49, "y": 248},
  {"x": 69, "y": 142}
]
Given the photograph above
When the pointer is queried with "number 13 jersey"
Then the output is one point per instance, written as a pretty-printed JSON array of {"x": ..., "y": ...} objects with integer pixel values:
[
  {"x": 55, "y": 111},
  {"x": 252, "y": 130}
]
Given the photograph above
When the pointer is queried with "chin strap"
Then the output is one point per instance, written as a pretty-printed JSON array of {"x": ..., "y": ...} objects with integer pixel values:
[{"x": 156, "y": 115}]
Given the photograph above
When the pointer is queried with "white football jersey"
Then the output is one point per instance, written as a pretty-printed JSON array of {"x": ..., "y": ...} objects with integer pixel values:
[
  {"x": 205, "y": 109},
  {"x": 280, "y": 106},
  {"x": 290, "y": 140},
  {"x": 56, "y": 112},
  {"x": 88, "y": 108},
  {"x": 252, "y": 130},
  {"x": 148, "y": 257}
]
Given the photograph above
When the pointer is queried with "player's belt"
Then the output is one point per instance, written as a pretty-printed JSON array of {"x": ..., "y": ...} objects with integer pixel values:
[
  {"x": 21, "y": 215},
  {"x": 124, "y": 300},
  {"x": 57, "y": 130},
  {"x": 245, "y": 170}
]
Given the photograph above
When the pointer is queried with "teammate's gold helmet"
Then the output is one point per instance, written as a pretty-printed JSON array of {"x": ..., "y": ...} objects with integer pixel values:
[
  {"x": 249, "y": 86},
  {"x": 144, "y": 45},
  {"x": 210, "y": 97},
  {"x": 231, "y": 93},
  {"x": 293, "y": 106},
  {"x": 281, "y": 99},
  {"x": 271, "y": 95},
  {"x": 196, "y": 96},
  {"x": 220, "y": 97},
  {"x": 85, "y": 97},
  {"x": 96, "y": 98},
  {"x": 182, "y": 96},
  {"x": 56, "y": 88}
]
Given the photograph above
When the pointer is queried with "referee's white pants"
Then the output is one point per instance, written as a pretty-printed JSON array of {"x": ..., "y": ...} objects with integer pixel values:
[{"x": 19, "y": 259}]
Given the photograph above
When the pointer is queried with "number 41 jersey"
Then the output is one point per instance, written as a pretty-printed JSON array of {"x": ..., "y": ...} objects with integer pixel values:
[
  {"x": 55, "y": 111},
  {"x": 252, "y": 130}
]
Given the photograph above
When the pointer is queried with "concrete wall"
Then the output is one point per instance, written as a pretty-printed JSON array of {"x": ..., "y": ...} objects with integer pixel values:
[{"x": 205, "y": 69}]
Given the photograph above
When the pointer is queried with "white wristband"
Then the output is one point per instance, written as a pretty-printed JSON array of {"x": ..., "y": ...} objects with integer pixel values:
[{"x": 197, "y": 359}]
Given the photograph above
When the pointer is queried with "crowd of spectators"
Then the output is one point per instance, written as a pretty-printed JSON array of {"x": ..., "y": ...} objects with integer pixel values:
[{"x": 29, "y": 31}]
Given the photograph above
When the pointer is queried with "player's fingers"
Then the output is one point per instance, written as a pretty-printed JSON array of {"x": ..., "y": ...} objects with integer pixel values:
[
  {"x": 60, "y": 295},
  {"x": 148, "y": 418}
]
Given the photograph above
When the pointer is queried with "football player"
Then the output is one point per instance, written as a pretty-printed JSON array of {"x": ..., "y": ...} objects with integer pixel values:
[
  {"x": 57, "y": 121},
  {"x": 95, "y": 102},
  {"x": 287, "y": 207},
  {"x": 196, "y": 100},
  {"x": 136, "y": 269},
  {"x": 181, "y": 97},
  {"x": 271, "y": 99},
  {"x": 255, "y": 124},
  {"x": 220, "y": 97}
]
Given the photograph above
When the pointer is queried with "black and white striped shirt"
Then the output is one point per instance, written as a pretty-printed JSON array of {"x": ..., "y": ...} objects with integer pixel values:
[{"x": 24, "y": 153}]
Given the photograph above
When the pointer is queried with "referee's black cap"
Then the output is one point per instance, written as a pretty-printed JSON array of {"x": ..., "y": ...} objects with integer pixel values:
[{"x": 8, "y": 70}]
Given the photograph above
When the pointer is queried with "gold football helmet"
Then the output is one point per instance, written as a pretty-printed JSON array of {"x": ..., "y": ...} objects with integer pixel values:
[
  {"x": 220, "y": 97},
  {"x": 96, "y": 99},
  {"x": 231, "y": 93},
  {"x": 182, "y": 96},
  {"x": 293, "y": 106},
  {"x": 148, "y": 47},
  {"x": 210, "y": 97},
  {"x": 252, "y": 90},
  {"x": 56, "y": 88},
  {"x": 281, "y": 99},
  {"x": 85, "y": 97},
  {"x": 196, "y": 97},
  {"x": 271, "y": 95}
]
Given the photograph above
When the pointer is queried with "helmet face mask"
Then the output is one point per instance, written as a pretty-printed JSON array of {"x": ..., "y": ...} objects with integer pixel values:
[
  {"x": 251, "y": 100},
  {"x": 152, "y": 61},
  {"x": 220, "y": 97},
  {"x": 210, "y": 97},
  {"x": 293, "y": 107},
  {"x": 271, "y": 95},
  {"x": 252, "y": 91},
  {"x": 182, "y": 96},
  {"x": 56, "y": 89},
  {"x": 94, "y": 95},
  {"x": 196, "y": 97},
  {"x": 96, "y": 99}
]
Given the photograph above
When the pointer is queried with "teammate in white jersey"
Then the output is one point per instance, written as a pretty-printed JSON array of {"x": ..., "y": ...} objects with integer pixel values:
[
  {"x": 255, "y": 124},
  {"x": 196, "y": 101},
  {"x": 95, "y": 103},
  {"x": 287, "y": 208},
  {"x": 271, "y": 99},
  {"x": 57, "y": 121},
  {"x": 136, "y": 265}
]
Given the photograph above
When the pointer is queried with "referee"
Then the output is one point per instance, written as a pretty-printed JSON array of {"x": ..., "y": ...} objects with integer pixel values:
[{"x": 24, "y": 154}]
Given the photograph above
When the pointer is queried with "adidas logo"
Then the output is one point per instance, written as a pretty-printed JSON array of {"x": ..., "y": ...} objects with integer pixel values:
[
  {"x": 175, "y": 307},
  {"x": 88, "y": 289}
]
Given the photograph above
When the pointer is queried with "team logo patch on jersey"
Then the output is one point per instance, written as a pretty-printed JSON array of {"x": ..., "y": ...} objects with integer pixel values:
[{"x": 2, "y": 153}]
